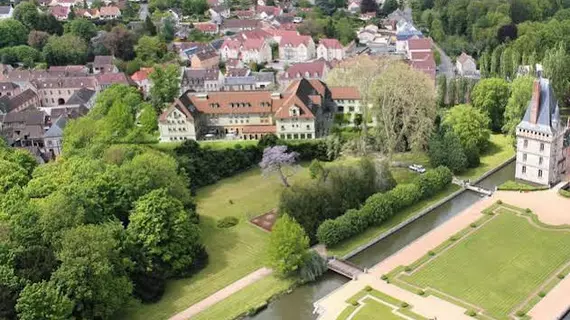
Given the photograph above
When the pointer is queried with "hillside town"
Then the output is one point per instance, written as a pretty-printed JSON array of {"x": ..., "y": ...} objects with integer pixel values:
[{"x": 277, "y": 159}]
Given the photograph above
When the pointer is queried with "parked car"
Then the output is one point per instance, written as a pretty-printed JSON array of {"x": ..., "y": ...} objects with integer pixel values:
[
  {"x": 297, "y": 19},
  {"x": 417, "y": 168}
]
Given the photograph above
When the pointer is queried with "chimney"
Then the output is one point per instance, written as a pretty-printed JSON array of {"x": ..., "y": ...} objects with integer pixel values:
[{"x": 535, "y": 102}]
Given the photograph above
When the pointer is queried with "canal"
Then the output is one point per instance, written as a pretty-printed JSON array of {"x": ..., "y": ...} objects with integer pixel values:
[{"x": 299, "y": 304}]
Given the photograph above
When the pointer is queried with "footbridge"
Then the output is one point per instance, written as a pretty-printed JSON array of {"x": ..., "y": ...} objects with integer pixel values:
[
  {"x": 467, "y": 185},
  {"x": 345, "y": 268}
]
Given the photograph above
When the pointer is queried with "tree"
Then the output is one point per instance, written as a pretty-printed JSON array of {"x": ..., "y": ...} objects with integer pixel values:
[
  {"x": 389, "y": 6},
  {"x": 64, "y": 50},
  {"x": 288, "y": 245},
  {"x": 326, "y": 6},
  {"x": 506, "y": 63},
  {"x": 93, "y": 271},
  {"x": 150, "y": 49},
  {"x": 165, "y": 85},
  {"x": 471, "y": 125},
  {"x": 12, "y": 33},
  {"x": 557, "y": 68},
  {"x": 81, "y": 28},
  {"x": 43, "y": 300},
  {"x": 445, "y": 149},
  {"x": 148, "y": 119},
  {"x": 441, "y": 90},
  {"x": 404, "y": 104},
  {"x": 48, "y": 23},
  {"x": 521, "y": 92},
  {"x": 368, "y": 6},
  {"x": 120, "y": 43},
  {"x": 11, "y": 175},
  {"x": 20, "y": 54},
  {"x": 491, "y": 96},
  {"x": 119, "y": 120},
  {"x": 344, "y": 31},
  {"x": 37, "y": 39},
  {"x": 194, "y": 7},
  {"x": 167, "y": 31},
  {"x": 27, "y": 13},
  {"x": 277, "y": 159},
  {"x": 437, "y": 31},
  {"x": 165, "y": 232},
  {"x": 149, "y": 27},
  {"x": 496, "y": 61}
]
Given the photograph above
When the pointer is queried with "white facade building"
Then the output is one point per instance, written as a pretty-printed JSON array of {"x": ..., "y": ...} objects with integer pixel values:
[
  {"x": 540, "y": 154},
  {"x": 176, "y": 124}
]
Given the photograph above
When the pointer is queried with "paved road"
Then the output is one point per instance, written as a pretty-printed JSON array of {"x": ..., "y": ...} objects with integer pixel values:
[
  {"x": 143, "y": 12},
  {"x": 446, "y": 66}
]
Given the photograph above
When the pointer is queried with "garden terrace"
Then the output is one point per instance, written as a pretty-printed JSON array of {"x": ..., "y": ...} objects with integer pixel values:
[{"x": 499, "y": 267}]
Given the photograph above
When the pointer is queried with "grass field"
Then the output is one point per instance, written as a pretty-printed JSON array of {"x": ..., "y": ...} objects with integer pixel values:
[
  {"x": 377, "y": 305},
  {"x": 233, "y": 252},
  {"x": 499, "y": 151},
  {"x": 373, "y": 309},
  {"x": 498, "y": 266}
]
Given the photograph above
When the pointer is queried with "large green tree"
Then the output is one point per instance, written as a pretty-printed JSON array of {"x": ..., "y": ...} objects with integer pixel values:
[
  {"x": 27, "y": 13},
  {"x": 64, "y": 50},
  {"x": 148, "y": 119},
  {"x": 288, "y": 246},
  {"x": 12, "y": 33},
  {"x": 521, "y": 92},
  {"x": 43, "y": 300},
  {"x": 491, "y": 96},
  {"x": 93, "y": 270},
  {"x": 557, "y": 68},
  {"x": 165, "y": 85},
  {"x": 470, "y": 124},
  {"x": 165, "y": 232},
  {"x": 150, "y": 49},
  {"x": 81, "y": 28}
]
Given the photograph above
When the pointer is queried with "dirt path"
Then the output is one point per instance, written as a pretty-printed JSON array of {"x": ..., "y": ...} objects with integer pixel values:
[{"x": 222, "y": 294}]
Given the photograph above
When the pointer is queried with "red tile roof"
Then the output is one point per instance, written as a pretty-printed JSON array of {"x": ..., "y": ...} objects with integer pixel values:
[
  {"x": 59, "y": 11},
  {"x": 112, "y": 78},
  {"x": 344, "y": 93},
  {"x": 269, "y": 10},
  {"x": 315, "y": 69},
  {"x": 419, "y": 44},
  {"x": 464, "y": 57},
  {"x": 259, "y": 129},
  {"x": 330, "y": 43},
  {"x": 253, "y": 44},
  {"x": 109, "y": 11},
  {"x": 294, "y": 40},
  {"x": 231, "y": 43},
  {"x": 176, "y": 105},
  {"x": 142, "y": 74},
  {"x": 206, "y": 27}
]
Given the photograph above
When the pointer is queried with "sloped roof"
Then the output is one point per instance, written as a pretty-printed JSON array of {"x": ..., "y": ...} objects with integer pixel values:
[
  {"x": 142, "y": 74},
  {"x": 464, "y": 57},
  {"x": 344, "y": 93},
  {"x": 56, "y": 129},
  {"x": 330, "y": 43},
  {"x": 315, "y": 69},
  {"x": 202, "y": 74},
  {"x": 548, "y": 113},
  {"x": 419, "y": 44},
  {"x": 109, "y": 11},
  {"x": 81, "y": 96}
]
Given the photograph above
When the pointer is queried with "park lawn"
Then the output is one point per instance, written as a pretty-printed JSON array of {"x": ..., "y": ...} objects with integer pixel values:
[
  {"x": 234, "y": 252},
  {"x": 249, "y": 298},
  {"x": 498, "y": 266},
  {"x": 373, "y": 310},
  {"x": 225, "y": 144},
  {"x": 499, "y": 151},
  {"x": 363, "y": 238},
  {"x": 403, "y": 174}
]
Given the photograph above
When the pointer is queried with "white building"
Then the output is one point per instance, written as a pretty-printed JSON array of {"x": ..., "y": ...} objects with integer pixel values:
[
  {"x": 176, "y": 124},
  {"x": 6, "y": 12},
  {"x": 296, "y": 48},
  {"x": 330, "y": 49},
  {"x": 540, "y": 154},
  {"x": 466, "y": 65}
]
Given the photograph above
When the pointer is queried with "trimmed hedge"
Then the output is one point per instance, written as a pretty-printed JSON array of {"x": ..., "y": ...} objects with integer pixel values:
[
  {"x": 205, "y": 165},
  {"x": 564, "y": 193},
  {"x": 381, "y": 206}
]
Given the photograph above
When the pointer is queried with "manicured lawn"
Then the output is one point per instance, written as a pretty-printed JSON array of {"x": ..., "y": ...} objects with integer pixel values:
[
  {"x": 224, "y": 144},
  {"x": 498, "y": 266},
  {"x": 234, "y": 252},
  {"x": 373, "y": 309},
  {"x": 513, "y": 185},
  {"x": 403, "y": 174},
  {"x": 348, "y": 245},
  {"x": 499, "y": 151},
  {"x": 249, "y": 298}
]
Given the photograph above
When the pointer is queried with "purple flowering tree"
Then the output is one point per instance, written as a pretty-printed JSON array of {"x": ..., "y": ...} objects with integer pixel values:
[{"x": 277, "y": 159}]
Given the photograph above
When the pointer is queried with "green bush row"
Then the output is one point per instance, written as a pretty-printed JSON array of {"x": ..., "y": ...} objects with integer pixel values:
[{"x": 381, "y": 206}]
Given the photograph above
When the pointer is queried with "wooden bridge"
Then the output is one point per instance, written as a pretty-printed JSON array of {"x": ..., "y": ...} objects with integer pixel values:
[
  {"x": 345, "y": 268},
  {"x": 467, "y": 185}
]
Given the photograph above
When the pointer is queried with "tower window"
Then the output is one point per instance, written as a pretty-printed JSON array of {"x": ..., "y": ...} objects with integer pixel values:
[
  {"x": 525, "y": 144},
  {"x": 523, "y": 169},
  {"x": 542, "y": 147},
  {"x": 540, "y": 173},
  {"x": 524, "y": 157},
  {"x": 540, "y": 160}
]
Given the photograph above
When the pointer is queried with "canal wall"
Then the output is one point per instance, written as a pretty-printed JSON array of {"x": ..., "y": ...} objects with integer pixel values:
[{"x": 423, "y": 212}]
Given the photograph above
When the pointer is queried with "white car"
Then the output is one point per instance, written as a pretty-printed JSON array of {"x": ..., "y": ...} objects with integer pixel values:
[
  {"x": 297, "y": 20},
  {"x": 417, "y": 168}
]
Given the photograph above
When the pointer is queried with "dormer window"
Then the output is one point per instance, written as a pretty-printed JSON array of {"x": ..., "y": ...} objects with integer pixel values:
[{"x": 294, "y": 111}]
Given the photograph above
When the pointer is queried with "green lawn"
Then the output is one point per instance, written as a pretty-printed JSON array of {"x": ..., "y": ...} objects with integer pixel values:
[
  {"x": 373, "y": 310},
  {"x": 498, "y": 266},
  {"x": 224, "y": 144},
  {"x": 233, "y": 252},
  {"x": 403, "y": 174},
  {"x": 499, "y": 151},
  {"x": 249, "y": 298}
]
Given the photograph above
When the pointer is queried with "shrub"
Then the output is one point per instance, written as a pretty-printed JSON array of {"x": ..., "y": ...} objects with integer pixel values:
[
  {"x": 368, "y": 288},
  {"x": 542, "y": 294},
  {"x": 384, "y": 277},
  {"x": 453, "y": 238},
  {"x": 404, "y": 305},
  {"x": 433, "y": 181},
  {"x": 421, "y": 292},
  {"x": 227, "y": 222},
  {"x": 403, "y": 196},
  {"x": 564, "y": 193},
  {"x": 527, "y": 210},
  {"x": 431, "y": 253},
  {"x": 561, "y": 276},
  {"x": 354, "y": 303},
  {"x": 471, "y": 313},
  {"x": 408, "y": 269},
  {"x": 473, "y": 225},
  {"x": 499, "y": 202},
  {"x": 520, "y": 313}
]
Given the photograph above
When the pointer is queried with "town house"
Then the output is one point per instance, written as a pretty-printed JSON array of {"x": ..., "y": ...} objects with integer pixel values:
[
  {"x": 330, "y": 49},
  {"x": 296, "y": 48},
  {"x": 198, "y": 80}
]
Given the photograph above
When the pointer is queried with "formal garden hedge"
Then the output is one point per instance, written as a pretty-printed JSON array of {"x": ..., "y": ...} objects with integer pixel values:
[
  {"x": 340, "y": 188},
  {"x": 564, "y": 193},
  {"x": 381, "y": 206},
  {"x": 206, "y": 165}
]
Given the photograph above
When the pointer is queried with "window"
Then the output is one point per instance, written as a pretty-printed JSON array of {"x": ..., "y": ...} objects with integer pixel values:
[
  {"x": 524, "y": 157},
  {"x": 288, "y": 136},
  {"x": 351, "y": 109},
  {"x": 540, "y": 160},
  {"x": 525, "y": 144},
  {"x": 540, "y": 173},
  {"x": 282, "y": 136},
  {"x": 308, "y": 127},
  {"x": 309, "y": 136},
  {"x": 523, "y": 169},
  {"x": 542, "y": 147},
  {"x": 340, "y": 109},
  {"x": 282, "y": 127}
]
